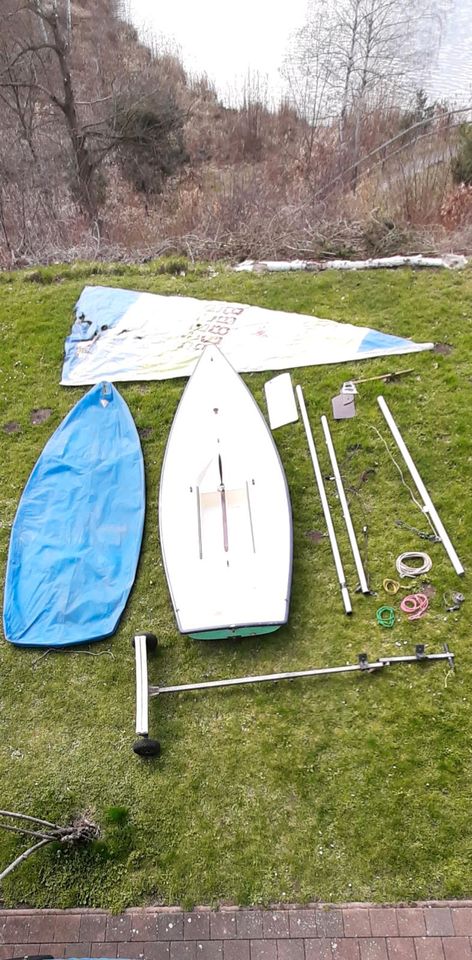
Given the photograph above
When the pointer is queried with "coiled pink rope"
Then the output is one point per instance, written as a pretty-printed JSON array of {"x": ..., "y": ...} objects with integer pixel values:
[{"x": 415, "y": 605}]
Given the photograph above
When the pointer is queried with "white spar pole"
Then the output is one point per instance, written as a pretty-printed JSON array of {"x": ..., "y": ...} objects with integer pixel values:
[
  {"x": 428, "y": 505},
  {"x": 324, "y": 502},
  {"x": 345, "y": 508}
]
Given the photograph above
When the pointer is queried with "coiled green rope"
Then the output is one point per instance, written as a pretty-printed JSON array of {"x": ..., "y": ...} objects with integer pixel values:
[{"x": 385, "y": 617}]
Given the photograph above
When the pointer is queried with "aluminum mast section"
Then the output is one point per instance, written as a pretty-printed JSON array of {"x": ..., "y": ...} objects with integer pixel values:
[
  {"x": 345, "y": 508},
  {"x": 324, "y": 502}
]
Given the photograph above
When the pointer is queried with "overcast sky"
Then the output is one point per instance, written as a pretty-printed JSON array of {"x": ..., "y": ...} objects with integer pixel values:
[
  {"x": 223, "y": 39},
  {"x": 453, "y": 73},
  {"x": 227, "y": 40}
]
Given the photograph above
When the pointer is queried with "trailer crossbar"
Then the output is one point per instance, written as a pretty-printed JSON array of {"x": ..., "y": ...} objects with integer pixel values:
[{"x": 363, "y": 666}]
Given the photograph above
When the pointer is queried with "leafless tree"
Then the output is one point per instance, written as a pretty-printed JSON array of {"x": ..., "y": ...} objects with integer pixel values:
[
  {"x": 349, "y": 57},
  {"x": 37, "y": 87},
  {"x": 71, "y": 106},
  {"x": 311, "y": 71}
]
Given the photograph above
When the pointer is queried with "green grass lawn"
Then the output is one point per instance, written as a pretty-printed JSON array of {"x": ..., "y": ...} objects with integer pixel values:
[{"x": 349, "y": 788}]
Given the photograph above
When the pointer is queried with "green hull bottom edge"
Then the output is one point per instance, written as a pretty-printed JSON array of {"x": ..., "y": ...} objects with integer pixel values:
[{"x": 228, "y": 632}]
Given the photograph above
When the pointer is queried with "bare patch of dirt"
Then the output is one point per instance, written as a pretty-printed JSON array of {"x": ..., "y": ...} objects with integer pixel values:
[
  {"x": 11, "y": 427},
  {"x": 315, "y": 535},
  {"x": 40, "y": 415},
  {"x": 444, "y": 348},
  {"x": 145, "y": 432},
  {"x": 428, "y": 590}
]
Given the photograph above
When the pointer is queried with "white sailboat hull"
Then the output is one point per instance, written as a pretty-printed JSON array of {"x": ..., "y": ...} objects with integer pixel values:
[{"x": 224, "y": 509}]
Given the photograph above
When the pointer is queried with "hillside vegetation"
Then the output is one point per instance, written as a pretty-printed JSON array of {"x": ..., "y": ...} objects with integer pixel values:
[{"x": 109, "y": 149}]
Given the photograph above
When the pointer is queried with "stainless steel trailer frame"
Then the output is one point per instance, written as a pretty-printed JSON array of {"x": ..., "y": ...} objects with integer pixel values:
[{"x": 145, "y": 692}]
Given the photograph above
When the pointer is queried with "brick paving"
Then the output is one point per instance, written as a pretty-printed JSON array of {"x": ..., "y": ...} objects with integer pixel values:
[{"x": 429, "y": 931}]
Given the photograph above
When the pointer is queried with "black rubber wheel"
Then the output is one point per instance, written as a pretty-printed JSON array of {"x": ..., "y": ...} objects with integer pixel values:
[
  {"x": 151, "y": 642},
  {"x": 147, "y": 747}
]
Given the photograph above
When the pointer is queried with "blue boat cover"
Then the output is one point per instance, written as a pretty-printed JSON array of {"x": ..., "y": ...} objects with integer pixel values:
[{"x": 77, "y": 533}]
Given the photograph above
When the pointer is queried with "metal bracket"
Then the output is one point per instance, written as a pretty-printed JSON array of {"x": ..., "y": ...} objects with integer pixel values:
[{"x": 450, "y": 657}]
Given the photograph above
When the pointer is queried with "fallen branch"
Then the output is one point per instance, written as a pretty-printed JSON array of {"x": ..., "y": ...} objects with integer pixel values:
[
  {"x": 80, "y": 831},
  {"x": 24, "y": 816},
  {"x": 28, "y": 833},
  {"x": 23, "y": 856},
  {"x": 455, "y": 261}
]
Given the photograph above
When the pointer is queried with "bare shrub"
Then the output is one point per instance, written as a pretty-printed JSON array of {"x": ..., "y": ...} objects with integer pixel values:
[
  {"x": 456, "y": 210},
  {"x": 462, "y": 162},
  {"x": 149, "y": 138}
]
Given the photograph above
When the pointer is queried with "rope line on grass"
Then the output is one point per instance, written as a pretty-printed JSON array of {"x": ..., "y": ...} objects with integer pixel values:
[{"x": 405, "y": 484}]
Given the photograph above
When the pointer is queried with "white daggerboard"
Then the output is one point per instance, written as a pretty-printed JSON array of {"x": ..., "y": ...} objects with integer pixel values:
[
  {"x": 280, "y": 400},
  {"x": 224, "y": 510}
]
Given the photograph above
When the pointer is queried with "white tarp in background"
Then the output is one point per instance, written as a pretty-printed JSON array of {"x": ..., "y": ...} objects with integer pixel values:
[{"x": 127, "y": 335}]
